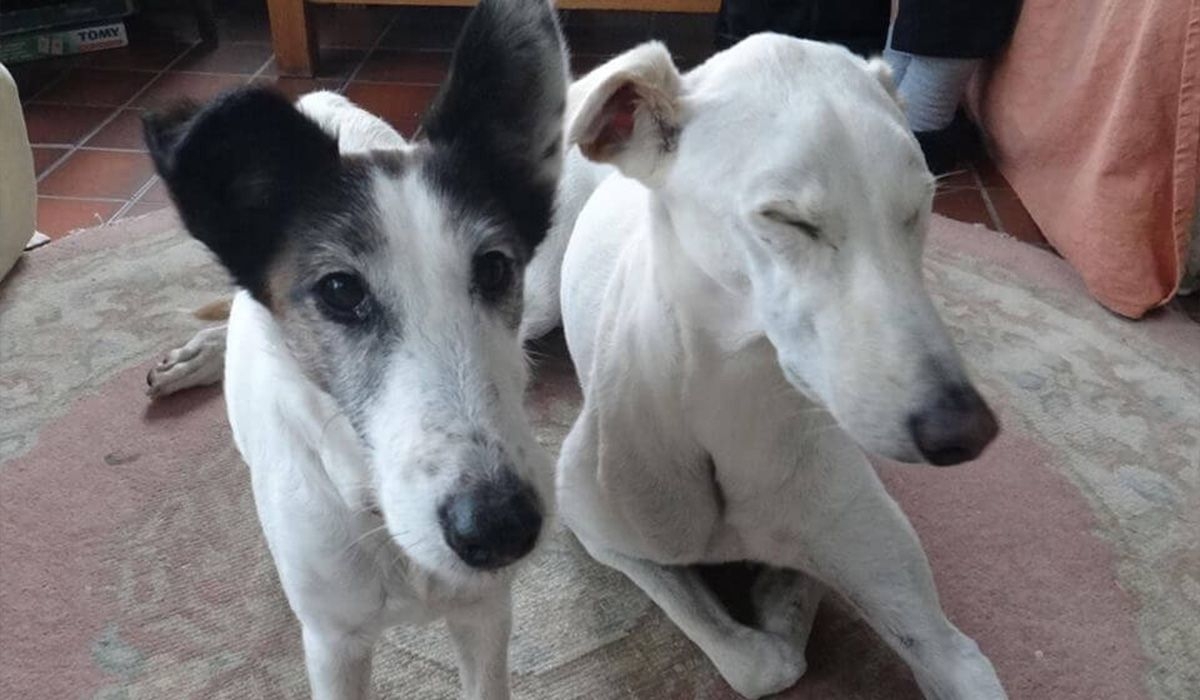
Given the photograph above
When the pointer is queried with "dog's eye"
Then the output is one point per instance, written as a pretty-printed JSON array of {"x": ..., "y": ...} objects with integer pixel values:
[
  {"x": 343, "y": 296},
  {"x": 493, "y": 274},
  {"x": 806, "y": 227}
]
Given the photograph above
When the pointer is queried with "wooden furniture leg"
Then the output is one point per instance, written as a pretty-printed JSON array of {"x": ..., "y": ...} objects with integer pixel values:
[
  {"x": 293, "y": 36},
  {"x": 206, "y": 21}
]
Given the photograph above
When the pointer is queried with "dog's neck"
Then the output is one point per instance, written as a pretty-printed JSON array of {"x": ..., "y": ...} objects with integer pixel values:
[
  {"x": 707, "y": 297},
  {"x": 715, "y": 319}
]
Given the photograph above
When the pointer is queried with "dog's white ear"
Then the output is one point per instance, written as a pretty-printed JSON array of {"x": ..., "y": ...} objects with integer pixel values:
[
  {"x": 627, "y": 112},
  {"x": 879, "y": 69}
]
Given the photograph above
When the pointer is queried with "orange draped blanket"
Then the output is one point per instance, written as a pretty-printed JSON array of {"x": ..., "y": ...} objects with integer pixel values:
[{"x": 1093, "y": 116}]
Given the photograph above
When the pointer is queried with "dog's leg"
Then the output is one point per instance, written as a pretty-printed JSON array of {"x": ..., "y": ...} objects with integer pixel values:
[
  {"x": 854, "y": 537},
  {"x": 754, "y": 663},
  {"x": 786, "y": 603},
  {"x": 338, "y": 663},
  {"x": 481, "y": 637},
  {"x": 198, "y": 363}
]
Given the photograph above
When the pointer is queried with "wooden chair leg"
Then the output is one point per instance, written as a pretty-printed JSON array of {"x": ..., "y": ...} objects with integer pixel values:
[
  {"x": 206, "y": 21},
  {"x": 294, "y": 37}
]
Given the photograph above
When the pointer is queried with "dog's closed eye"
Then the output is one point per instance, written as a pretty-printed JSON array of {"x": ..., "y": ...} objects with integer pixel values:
[{"x": 804, "y": 226}]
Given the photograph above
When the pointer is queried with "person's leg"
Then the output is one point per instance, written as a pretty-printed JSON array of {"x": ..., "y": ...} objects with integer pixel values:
[
  {"x": 859, "y": 25},
  {"x": 934, "y": 47},
  {"x": 932, "y": 88}
]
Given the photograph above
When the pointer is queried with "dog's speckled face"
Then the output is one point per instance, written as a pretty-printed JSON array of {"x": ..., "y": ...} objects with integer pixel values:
[{"x": 395, "y": 276}]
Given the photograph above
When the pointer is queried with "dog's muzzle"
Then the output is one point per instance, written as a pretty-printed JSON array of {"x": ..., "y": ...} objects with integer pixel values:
[{"x": 492, "y": 523}]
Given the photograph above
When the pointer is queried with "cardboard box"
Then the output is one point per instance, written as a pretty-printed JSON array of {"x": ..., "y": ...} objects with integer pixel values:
[
  {"x": 25, "y": 16},
  {"x": 30, "y": 47}
]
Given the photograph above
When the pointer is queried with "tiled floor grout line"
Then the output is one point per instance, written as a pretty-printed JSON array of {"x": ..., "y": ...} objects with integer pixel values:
[
  {"x": 154, "y": 76},
  {"x": 55, "y": 164},
  {"x": 987, "y": 201},
  {"x": 369, "y": 52},
  {"x": 70, "y": 198},
  {"x": 341, "y": 47},
  {"x": 50, "y": 84},
  {"x": 72, "y": 148},
  {"x": 141, "y": 191},
  {"x": 133, "y": 199},
  {"x": 154, "y": 73},
  {"x": 65, "y": 103},
  {"x": 157, "y": 76},
  {"x": 112, "y": 117},
  {"x": 137, "y": 196},
  {"x": 110, "y": 149},
  {"x": 410, "y": 83},
  {"x": 117, "y": 111},
  {"x": 374, "y": 50},
  {"x": 415, "y": 49},
  {"x": 258, "y": 73}
]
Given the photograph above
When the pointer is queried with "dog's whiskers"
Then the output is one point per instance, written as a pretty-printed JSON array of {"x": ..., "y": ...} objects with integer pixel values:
[
  {"x": 950, "y": 174},
  {"x": 536, "y": 354},
  {"x": 365, "y": 535}
]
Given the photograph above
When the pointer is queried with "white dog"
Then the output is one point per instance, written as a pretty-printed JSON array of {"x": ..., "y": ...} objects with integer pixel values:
[
  {"x": 744, "y": 305},
  {"x": 374, "y": 378}
]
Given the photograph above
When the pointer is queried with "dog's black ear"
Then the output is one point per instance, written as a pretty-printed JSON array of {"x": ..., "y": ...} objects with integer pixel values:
[
  {"x": 239, "y": 169},
  {"x": 498, "y": 118}
]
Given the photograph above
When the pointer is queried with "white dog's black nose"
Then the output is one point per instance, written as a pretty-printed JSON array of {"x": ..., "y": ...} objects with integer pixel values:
[
  {"x": 493, "y": 523},
  {"x": 955, "y": 427}
]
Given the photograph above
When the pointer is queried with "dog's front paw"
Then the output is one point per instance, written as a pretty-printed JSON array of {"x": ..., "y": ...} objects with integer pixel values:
[
  {"x": 758, "y": 663},
  {"x": 200, "y": 362}
]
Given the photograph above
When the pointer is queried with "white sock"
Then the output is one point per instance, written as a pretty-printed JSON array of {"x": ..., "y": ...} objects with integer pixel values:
[{"x": 932, "y": 88}]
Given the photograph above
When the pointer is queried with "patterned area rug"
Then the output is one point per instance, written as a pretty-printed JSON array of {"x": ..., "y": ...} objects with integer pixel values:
[{"x": 131, "y": 563}]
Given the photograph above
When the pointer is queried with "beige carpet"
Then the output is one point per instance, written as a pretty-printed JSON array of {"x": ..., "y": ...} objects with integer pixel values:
[{"x": 131, "y": 564}]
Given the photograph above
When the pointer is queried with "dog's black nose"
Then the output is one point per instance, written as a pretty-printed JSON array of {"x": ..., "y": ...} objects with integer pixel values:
[
  {"x": 493, "y": 523},
  {"x": 955, "y": 427}
]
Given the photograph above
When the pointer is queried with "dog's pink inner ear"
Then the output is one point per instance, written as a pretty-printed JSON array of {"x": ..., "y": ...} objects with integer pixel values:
[{"x": 617, "y": 121}]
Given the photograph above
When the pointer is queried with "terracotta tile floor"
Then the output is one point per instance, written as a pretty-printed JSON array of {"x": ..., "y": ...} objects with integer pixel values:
[{"x": 83, "y": 113}]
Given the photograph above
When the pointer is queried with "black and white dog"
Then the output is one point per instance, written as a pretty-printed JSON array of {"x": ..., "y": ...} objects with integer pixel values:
[{"x": 374, "y": 375}]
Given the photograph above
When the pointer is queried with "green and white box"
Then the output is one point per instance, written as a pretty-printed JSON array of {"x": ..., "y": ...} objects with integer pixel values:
[{"x": 29, "y": 47}]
